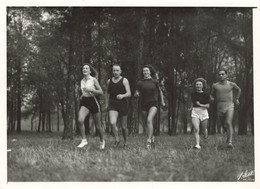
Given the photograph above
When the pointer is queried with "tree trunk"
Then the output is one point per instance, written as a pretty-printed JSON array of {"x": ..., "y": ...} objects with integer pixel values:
[
  {"x": 246, "y": 97},
  {"x": 170, "y": 110},
  {"x": 32, "y": 118},
  {"x": 67, "y": 105},
  {"x": 14, "y": 117},
  {"x": 39, "y": 122},
  {"x": 58, "y": 118},
  {"x": 43, "y": 121},
  {"x": 138, "y": 65},
  {"x": 67, "y": 116},
  {"x": 76, "y": 109},
  {"x": 49, "y": 116},
  {"x": 174, "y": 102},
  {"x": 19, "y": 97}
]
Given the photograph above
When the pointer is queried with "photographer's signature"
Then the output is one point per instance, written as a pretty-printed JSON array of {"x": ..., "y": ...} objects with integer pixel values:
[{"x": 246, "y": 176}]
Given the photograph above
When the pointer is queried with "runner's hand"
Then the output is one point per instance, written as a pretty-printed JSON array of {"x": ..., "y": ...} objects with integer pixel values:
[
  {"x": 198, "y": 103},
  {"x": 237, "y": 102},
  {"x": 120, "y": 96}
]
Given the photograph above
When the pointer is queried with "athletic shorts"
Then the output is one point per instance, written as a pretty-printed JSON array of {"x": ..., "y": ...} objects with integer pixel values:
[
  {"x": 91, "y": 104},
  {"x": 224, "y": 107},
  {"x": 146, "y": 106},
  {"x": 118, "y": 105},
  {"x": 200, "y": 113}
]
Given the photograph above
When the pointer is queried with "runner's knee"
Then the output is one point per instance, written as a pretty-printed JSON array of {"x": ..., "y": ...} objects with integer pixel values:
[
  {"x": 149, "y": 121},
  {"x": 196, "y": 130},
  {"x": 81, "y": 120},
  {"x": 113, "y": 122}
]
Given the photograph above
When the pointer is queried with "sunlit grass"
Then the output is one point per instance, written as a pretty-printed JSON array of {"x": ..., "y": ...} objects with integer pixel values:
[{"x": 45, "y": 157}]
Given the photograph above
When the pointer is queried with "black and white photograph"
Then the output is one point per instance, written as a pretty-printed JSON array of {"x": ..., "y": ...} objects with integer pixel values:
[{"x": 140, "y": 96}]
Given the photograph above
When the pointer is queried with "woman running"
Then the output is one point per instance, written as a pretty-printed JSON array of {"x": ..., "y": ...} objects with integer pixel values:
[
  {"x": 90, "y": 88},
  {"x": 148, "y": 90},
  {"x": 200, "y": 104}
]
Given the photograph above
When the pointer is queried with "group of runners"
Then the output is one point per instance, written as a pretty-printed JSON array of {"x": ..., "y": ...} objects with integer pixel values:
[{"x": 148, "y": 90}]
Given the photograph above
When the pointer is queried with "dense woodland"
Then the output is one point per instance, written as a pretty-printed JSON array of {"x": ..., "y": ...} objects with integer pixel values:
[{"x": 47, "y": 46}]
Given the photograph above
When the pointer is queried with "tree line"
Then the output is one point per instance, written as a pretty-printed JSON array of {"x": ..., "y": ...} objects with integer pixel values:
[{"x": 47, "y": 46}]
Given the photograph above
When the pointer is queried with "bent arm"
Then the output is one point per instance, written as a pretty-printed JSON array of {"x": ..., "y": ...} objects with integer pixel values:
[
  {"x": 107, "y": 95},
  {"x": 212, "y": 93},
  {"x": 204, "y": 105},
  {"x": 238, "y": 89},
  {"x": 161, "y": 96},
  {"x": 98, "y": 90},
  {"x": 127, "y": 88}
]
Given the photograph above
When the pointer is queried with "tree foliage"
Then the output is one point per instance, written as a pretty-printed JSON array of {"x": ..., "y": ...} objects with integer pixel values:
[{"x": 47, "y": 46}]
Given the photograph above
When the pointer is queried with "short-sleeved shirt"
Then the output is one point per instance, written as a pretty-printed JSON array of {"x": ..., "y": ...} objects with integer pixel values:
[
  {"x": 203, "y": 98},
  {"x": 149, "y": 89}
]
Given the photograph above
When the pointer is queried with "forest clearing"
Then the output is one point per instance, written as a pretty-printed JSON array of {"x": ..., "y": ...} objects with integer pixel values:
[
  {"x": 45, "y": 157},
  {"x": 46, "y": 50}
]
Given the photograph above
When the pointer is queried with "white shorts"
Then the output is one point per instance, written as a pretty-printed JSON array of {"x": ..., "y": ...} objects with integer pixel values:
[{"x": 200, "y": 113}]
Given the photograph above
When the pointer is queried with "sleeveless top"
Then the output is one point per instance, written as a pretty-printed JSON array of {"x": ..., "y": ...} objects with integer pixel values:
[
  {"x": 116, "y": 88},
  {"x": 224, "y": 93},
  {"x": 88, "y": 84}
]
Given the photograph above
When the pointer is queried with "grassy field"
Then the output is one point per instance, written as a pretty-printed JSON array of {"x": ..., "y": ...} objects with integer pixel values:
[{"x": 45, "y": 157}]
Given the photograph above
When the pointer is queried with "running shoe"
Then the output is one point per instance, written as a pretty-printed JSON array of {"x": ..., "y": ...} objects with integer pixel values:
[
  {"x": 116, "y": 144},
  {"x": 230, "y": 145},
  {"x": 152, "y": 141},
  {"x": 197, "y": 147},
  {"x": 148, "y": 145},
  {"x": 102, "y": 145},
  {"x": 83, "y": 143}
]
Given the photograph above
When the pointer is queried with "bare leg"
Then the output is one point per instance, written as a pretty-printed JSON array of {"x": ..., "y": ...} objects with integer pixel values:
[
  {"x": 204, "y": 125},
  {"x": 113, "y": 115},
  {"x": 97, "y": 120},
  {"x": 196, "y": 128},
  {"x": 229, "y": 118},
  {"x": 221, "y": 122},
  {"x": 83, "y": 112},
  {"x": 144, "y": 123},
  {"x": 150, "y": 117},
  {"x": 124, "y": 127}
]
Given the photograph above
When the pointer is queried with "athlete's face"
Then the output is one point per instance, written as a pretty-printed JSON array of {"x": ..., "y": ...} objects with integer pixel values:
[
  {"x": 199, "y": 86},
  {"x": 146, "y": 72},
  {"x": 86, "y": 70},
  {"x": 117, "y": 71},
  {"x": 222, "y": 75}
]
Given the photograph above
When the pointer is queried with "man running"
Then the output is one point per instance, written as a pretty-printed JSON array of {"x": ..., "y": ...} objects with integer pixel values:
[
  {"x": 223, "y": 92},
  {"x": 118, "y": 90}
]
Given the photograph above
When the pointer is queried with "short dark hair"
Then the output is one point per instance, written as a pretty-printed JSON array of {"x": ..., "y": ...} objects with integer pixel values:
[
  {"x": 151, "y": 68},
  {"x": 202, "y": 80},
  {"x": 117, "y": 65},
  {"x": 223, "y": 69},
  {"x": 93, "y": 71}
]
